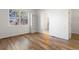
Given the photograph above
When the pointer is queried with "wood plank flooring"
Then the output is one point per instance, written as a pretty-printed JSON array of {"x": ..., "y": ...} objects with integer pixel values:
[
  {"x": 75, "y": 36},
  {"x": 37, "y": 41}
]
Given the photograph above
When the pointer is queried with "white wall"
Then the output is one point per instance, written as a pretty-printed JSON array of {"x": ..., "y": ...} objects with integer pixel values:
[
  {"x": 6, "y": 30},
  {"x": 75, "y": 20},
  {"x": 59, "y": 22}
]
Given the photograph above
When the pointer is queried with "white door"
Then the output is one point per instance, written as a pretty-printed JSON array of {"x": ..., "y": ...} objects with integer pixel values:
[{"x": 58, "y": 23}]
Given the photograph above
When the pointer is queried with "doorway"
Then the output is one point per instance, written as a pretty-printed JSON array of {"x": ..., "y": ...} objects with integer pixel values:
[
  {"x": 46, "y": 24},
  {"x": 74, "y": 24}
]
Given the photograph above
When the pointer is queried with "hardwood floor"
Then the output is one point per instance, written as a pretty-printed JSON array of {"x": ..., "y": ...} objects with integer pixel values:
[
  {"x": 75, "y": 36},
  {"x": 37, "y": 41}
]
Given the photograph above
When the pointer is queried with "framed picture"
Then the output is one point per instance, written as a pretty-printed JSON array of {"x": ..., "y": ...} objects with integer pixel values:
[{"x": 18, "y": 17}]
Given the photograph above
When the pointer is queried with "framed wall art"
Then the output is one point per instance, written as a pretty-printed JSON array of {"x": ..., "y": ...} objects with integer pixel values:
[{"x": 18, "y": 17}]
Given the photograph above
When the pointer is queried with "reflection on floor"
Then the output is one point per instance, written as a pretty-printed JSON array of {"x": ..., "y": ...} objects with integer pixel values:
[{"x": 37, "y": 41}]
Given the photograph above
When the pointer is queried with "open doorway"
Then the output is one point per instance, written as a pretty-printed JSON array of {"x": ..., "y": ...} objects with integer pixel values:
[
  {"x": 75, "y": 24},
  {"x": 46, "y": 24}
]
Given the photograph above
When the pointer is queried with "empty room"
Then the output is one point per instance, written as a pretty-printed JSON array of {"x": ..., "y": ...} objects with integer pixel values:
[{"x": 39, "y": 29}]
